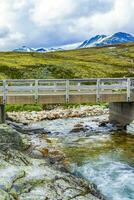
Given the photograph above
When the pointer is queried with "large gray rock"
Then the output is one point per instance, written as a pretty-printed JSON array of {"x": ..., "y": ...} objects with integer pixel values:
[
  {"x": 26, "y": 178},
  {"x": 38, "y": 181},
  {"x": 10, "y": 138},
  {"x": 4, "y": 195}
]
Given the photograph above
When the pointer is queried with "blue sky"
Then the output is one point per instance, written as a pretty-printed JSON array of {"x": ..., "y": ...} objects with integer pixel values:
[{"x": 48, "y": 23}]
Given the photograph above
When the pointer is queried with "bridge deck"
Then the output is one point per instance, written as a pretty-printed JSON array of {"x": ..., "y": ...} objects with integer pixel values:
[{"x": 67, "y": 91}]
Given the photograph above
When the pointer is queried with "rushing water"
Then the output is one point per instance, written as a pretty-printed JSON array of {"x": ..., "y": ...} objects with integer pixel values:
[{"x": 101, "y": 154}]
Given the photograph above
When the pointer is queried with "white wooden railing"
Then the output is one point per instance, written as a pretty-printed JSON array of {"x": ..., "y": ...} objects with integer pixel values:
[{"x": 66, "y": 87}]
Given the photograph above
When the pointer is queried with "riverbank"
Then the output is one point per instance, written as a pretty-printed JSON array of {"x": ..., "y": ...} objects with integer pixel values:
[
  {"x": 31, "y": 117},
  {"x": 32, "y": 168},
  {"x": 94, "y": 150}
]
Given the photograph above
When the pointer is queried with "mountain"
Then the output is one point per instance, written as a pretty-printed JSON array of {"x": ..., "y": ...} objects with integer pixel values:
[
  {"x": 71, "y": 46},
  {"x": 28, "y": 49},
  {"x": 92, "y": 41},
  {"x": 51, "y": 49},
  {"x": 103, "y": 40},
  {"x": 55, "y": 49},
  {"x": 24, "y": 49},
  {"x": 40, "y": 50},
  {"x": 96, "y": 41}
]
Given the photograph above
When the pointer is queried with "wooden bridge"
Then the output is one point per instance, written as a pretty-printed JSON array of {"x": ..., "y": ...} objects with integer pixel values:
[
  {"x": 102, "y": 90},
  {"x": 66, "y": 91}
]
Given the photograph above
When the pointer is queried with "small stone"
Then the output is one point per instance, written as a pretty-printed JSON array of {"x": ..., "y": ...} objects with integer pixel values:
[
  {"x": 102, "y": 124},
  {"x": 78, "y": 129},
  {"x": 36, "y": 154},
  {"x": 45, "y": 152}
]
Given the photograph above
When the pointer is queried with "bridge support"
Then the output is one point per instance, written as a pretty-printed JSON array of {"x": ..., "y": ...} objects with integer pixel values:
[
  {"x": 122, "y": 113},
  {"x": 2, "y": 114}
]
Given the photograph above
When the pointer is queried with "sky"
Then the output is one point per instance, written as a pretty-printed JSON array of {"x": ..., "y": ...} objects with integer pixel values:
[{"x": 47, "y": 23}]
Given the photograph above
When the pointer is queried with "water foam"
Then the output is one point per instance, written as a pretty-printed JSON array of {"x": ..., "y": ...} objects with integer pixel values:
[{"x": 114, "y": 179}]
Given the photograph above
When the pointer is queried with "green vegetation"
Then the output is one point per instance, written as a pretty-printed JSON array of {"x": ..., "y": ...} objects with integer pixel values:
[
  {"x": 37, "y": 107},
  {"x": 83, "y": 63},
  {"x": 26, "y": 107}
]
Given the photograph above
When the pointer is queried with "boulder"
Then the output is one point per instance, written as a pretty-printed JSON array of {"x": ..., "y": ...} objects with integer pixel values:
[
  {"x": 10, "y": 138},
  {"x": 78, "y": 128},
  {"x": 5, "y": 196}
]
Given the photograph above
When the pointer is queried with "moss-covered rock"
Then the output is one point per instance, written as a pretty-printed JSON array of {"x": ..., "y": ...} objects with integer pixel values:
[
  {"x": 4, "y": 195},
  {"x": 27, "y": 178},
  {"x": 10, "y": 138}
]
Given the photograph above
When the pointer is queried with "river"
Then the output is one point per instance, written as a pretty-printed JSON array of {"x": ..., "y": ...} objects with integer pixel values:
[{"x": 100, "y": 154}]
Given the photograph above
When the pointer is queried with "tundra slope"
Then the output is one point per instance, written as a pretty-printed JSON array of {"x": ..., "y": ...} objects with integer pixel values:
[{"x": 111, "y": 61}]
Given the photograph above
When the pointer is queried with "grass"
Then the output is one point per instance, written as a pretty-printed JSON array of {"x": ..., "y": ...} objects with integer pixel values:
[
  {"x": 83, "y": 63},
  {"x": 26, "y": 107},
  {"x": 38, "y": 107}
]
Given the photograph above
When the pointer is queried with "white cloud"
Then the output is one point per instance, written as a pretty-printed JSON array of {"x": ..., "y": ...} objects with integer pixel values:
[
  {"x": 9, "y": 41},
  {"x": 46, "y": 13},
  {"x": 10, "y": 16},
  {"x": 18, "y": 4},
  {"x": 5, "y": 16},
  {"x": 55, "y": 22},
  {"x": 117, "y": 19}
]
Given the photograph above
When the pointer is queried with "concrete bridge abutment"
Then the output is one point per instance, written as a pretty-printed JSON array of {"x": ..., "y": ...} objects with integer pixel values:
[
  {"x": 121, "y": 113},
  {"x": 2, "y": 114}
]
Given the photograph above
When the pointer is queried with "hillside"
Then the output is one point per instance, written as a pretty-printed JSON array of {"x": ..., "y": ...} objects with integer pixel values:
[{"x": 82, "y": 63}]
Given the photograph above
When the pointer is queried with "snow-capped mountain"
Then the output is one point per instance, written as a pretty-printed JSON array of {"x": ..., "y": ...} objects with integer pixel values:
[
  {"x": 97, "y": 41},
  {"x": 41, "y": 50},
  {"x": 51, "y": 49},
  {"x": 103, "y": 40},
  {"x": 71, "y": 46},
  {"x": 28, "y": 49},
  {"x": 24, "y": 49},
  {"x": 92, "y": 41}
]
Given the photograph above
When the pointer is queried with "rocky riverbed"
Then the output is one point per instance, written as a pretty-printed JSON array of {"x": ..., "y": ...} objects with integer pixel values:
[
  {"x": 30, "y": 117},
  {"x": 66, "y": 154},
  {"x": 33, "y": 168}
]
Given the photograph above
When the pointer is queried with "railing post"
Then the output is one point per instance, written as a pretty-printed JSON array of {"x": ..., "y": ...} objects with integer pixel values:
[
  {"x": 5, "y": 85},
  {"x": 67, "y": 91},
  {"x": 55, "y": 85},
  {"x": 98, "y": 91},
  {"x": 2, "y": 114},
  {"x": 36, "y": 91},
  {"x": 102, "y": 84},
  {"x": 128, "y": 89},
  {"x": 79, "y": 84}
]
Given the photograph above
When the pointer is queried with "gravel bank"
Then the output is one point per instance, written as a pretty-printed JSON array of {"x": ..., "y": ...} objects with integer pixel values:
[{"x": 83, "y": 111}]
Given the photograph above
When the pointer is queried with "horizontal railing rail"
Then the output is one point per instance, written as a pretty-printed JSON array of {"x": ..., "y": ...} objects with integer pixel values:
[{"x": 65, "y": 87}]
